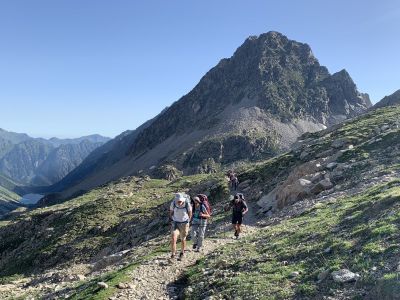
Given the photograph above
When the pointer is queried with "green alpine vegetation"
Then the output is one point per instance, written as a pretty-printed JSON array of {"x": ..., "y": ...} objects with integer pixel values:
[
  {"x": 294, "y": 259},
  {"x": 8, "y": 195},
  {"x": 301, "y": 237}
]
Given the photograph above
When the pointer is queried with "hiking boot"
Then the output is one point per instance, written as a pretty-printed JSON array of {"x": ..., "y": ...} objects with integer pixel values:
[
  {"x": 172, "y": 258},
  {"x": 197, "y": 250},
  {"x": 194, "y": 246},
  {"x": 181, "y": 256}
]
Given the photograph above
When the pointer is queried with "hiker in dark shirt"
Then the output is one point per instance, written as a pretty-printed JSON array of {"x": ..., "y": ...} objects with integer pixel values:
[
  {"x": 239, "y": 209},
  {"x": 234, "y": 181}
]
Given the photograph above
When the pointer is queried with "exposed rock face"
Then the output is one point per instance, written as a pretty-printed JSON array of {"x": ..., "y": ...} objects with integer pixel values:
[
  {"x": 281, "y": 76},
  {"x": 393, "y": 99},
  {"x": 345, "y": 100},
  {"x": 248, "y": 107},
  {"x": 21, "y": 162},
  {"x": 168, "y": 172},
  {"x": 297, "y": 186}
]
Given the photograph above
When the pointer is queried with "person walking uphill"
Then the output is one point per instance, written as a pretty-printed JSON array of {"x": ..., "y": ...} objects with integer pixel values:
[
  {"x": 239, "y": 209},
  {"x": 199, "y": 223},
  {"x": 180, "y": 213}
]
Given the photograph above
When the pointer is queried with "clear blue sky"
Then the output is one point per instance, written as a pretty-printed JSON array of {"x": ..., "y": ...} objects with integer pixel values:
[{"x": 75, "y": 67}]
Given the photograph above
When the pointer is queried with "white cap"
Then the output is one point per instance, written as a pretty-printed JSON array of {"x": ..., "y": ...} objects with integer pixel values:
[{"x": 180, "y": 197}]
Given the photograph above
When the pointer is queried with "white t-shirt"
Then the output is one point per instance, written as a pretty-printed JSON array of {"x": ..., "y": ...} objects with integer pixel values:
[{"x": 180, "y": 212}]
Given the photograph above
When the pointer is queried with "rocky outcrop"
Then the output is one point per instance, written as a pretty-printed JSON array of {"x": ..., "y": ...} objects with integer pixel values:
[
  {"x": 168, "y": 172},
  {"x": 303, "y": 181}
]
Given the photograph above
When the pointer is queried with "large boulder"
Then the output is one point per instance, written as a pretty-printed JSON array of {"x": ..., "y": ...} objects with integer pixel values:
[
  {"x": 295, "y": 188},
  {"x": 324, "y": 184},
  {"x": 344, "y": 276},
  {"x": 292, "y": 193}
]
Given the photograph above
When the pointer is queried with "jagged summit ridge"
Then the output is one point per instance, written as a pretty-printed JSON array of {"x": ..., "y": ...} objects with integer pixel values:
[{"x": 282, "y": 75}]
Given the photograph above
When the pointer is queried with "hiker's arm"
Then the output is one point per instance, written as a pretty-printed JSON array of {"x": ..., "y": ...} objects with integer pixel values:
[
  {"x": 204, "y": 213},
  {"x": 171, "y": 211},
  {"x": 246, "y": 209},
  {"x": 190, "y": 211}
]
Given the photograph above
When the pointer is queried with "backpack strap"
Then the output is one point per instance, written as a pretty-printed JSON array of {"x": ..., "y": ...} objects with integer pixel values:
[{"x": 186, "y": 206}]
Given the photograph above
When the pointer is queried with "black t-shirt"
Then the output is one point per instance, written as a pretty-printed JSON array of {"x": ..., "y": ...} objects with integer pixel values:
[{"x": 239, "y": 206}]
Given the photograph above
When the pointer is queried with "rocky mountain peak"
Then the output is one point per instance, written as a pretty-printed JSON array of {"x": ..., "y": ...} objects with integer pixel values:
[
  {"x": 280, "y": 75},
  {"x": 249, "y": 106}
]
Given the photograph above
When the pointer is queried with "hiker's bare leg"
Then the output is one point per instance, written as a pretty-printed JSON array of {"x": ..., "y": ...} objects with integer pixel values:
[
  {"x": 237, "y": 227},
  {"x": 174, "y": 236},
  {"x": 183, "y": 234},
  {"x": 183, "y": 245}
]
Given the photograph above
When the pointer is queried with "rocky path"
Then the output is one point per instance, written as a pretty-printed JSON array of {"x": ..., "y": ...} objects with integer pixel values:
[{"x": 156, "y": 278}]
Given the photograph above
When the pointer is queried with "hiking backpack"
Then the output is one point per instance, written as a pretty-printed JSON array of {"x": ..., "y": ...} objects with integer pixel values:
[{"x": 204, "y": 200}]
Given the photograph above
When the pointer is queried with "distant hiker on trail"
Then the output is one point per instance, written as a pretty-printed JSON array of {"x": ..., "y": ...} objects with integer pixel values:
[
  {"x": 199, "y": 221},
  {"x": 239, "y": 209},
  {"x": 180, "y": 212},
  {"x": 234, "y": 182}
]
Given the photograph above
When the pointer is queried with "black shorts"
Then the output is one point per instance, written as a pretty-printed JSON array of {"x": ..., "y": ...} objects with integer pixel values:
[{"x": 237, "y": 218}]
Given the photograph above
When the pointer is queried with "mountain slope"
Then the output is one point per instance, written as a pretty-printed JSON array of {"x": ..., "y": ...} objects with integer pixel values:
[
  {"x": 314, "y": 229},
  {"x": 14, "y": 138},
  {"x": 37, "y": 161},
  {"x": 63, "y": 160},
  {"x": 393, "y": 99},
  {"x": 8, "y": 201},
  {"x": 302, "y": 237},
  {"x": 250, "y": 106},
  {"x": 8, "y": 195},
  {"x": 22, "y": 160},
  {"x": 98, "y": 160},
  {"x": 94, "y": 138}
]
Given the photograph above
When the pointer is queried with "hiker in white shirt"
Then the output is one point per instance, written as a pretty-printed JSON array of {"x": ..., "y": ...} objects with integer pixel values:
[{"x": 180, "y": 212}]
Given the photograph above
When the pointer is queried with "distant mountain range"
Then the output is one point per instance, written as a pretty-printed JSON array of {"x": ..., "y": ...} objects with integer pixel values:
[
  {"x": 36, "y": 161},
  {"x": 248, "y": 107}
]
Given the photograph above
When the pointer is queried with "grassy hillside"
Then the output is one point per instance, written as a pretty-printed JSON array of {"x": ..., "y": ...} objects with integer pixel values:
[
  {"x": 284, "y": 261},
  {"x": 8, "y": 195},
  {"x": 7, "y": 183},
  {"x": 352, "y": 224},
  {"x": 101, "y": 222}
]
